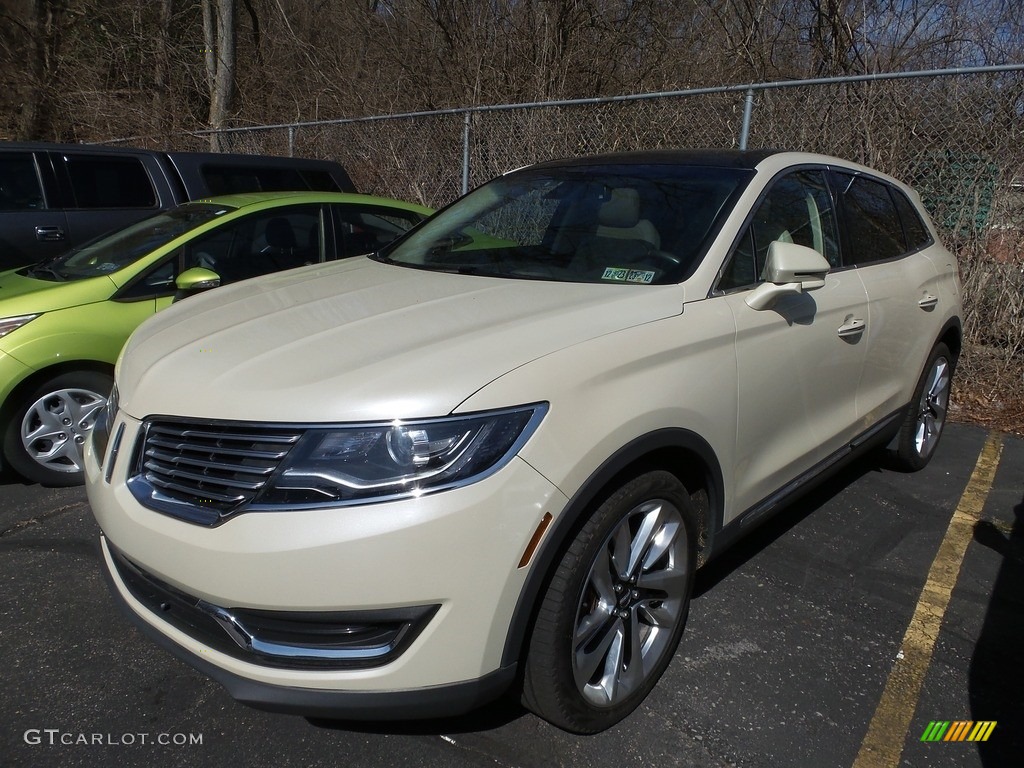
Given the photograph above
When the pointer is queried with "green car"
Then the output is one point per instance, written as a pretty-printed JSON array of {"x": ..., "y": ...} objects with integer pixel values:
[{"x": 64, "y": 321}]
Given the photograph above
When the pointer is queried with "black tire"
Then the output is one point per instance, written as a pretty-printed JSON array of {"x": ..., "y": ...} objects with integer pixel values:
[
  {"x": 45, "y": 436},
  {"x": 609, "y": 624},
  {"x": 926, "y": 415}
]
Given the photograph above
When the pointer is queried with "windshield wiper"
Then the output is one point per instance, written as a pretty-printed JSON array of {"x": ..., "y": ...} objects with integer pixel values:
[{"x": 41, "y": 268}]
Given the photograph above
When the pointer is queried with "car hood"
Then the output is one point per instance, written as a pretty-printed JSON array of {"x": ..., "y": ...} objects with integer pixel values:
[
  {"x": 22, "y": 295},
  {"x": 359, "y": 340}
]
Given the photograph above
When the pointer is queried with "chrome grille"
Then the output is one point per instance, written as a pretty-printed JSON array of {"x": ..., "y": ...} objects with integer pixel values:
[{"x": 215, "y": 467}]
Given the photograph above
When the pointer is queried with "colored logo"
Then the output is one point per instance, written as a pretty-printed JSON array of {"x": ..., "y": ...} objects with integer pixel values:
[{"x": 958, "y": 730}]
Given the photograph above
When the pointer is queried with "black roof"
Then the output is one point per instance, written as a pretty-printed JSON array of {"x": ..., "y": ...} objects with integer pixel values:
[
  {"x": 49, "y": 146},
  {"x": 711, "y": 158},
  {"x": 42, "y": 146}
]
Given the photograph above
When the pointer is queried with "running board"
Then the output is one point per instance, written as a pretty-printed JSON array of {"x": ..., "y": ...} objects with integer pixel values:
[{"x": 772, "y": 502}]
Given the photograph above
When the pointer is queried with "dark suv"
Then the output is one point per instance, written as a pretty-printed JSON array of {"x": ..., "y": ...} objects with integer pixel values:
[{"x": 54, "y": 197}]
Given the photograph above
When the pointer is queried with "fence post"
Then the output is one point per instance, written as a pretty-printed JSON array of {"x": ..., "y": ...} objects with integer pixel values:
[
  {"x": 748, "y": 107},
  {"x": 465, "y": 152},
  {"x": 291, "y": 141}
]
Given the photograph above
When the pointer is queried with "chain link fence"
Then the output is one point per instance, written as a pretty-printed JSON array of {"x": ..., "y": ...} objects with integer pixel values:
[{"x": 955, "y": 135}]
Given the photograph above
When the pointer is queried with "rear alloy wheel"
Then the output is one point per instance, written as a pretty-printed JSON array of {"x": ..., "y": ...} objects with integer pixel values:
[
  {"x": 45, "y": 439},
  {"x": 615, "y": 609},
  {"x": 922, "y": 426}
]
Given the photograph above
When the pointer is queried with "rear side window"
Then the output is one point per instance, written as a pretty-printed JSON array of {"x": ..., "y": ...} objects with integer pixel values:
[
  {"x": 109, "y": 182},
  {"x": 917, "y": 233},
  {"x": 231, "y": 179},
  {"x": 365, "y": 229},
  {"x": 20, "y": 189},
  {"x": 873, "y": 225}
]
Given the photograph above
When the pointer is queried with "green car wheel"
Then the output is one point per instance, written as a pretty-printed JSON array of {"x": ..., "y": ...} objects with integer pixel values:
[{"x": 45, "y": 439}]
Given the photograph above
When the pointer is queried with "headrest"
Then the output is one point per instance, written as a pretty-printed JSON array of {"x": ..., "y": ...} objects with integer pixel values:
[
  {"x": 621, "y": 210},
  {"x": 279, "y": 233}
]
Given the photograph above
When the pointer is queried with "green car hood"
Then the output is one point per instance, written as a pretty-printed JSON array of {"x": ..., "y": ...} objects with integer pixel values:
[{"x": 22, "y": 295}]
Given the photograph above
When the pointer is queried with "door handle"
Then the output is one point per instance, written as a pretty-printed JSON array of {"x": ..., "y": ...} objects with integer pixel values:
[
  {"x": 928, "y": 303},
  {"x": 853, "y": 327},
  {"x": 49, "y": 234}
]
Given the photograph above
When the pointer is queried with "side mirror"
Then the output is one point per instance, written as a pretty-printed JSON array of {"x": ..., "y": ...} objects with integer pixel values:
[
  {"x": 790, "y": 269},
  {"x": 195, "y": 280}
]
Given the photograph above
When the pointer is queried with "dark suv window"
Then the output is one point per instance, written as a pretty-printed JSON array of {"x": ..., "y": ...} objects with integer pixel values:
[
  {"x": 227, "y": 180},
  {"x": 872, "y": 221},
  {"x": 19, "y": 183},
  {"x": 109, "y": 182}
]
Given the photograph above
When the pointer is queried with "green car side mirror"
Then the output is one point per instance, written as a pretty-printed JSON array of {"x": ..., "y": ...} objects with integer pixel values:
[{"x": 195, "y": 280}]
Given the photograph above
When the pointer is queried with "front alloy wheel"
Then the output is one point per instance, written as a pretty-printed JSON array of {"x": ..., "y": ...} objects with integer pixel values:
[
  {"x": 615, "y": 610},
  {"x": 45, "y": 440}
]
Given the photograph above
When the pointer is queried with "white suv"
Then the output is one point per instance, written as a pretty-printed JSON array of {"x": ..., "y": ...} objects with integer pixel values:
[{"x": 495, "y": 452}]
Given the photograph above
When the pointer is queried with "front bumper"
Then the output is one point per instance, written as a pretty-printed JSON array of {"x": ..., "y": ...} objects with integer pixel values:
[
  {"x": 457, "y": 552},
  {"x": 437, "y": 701}
]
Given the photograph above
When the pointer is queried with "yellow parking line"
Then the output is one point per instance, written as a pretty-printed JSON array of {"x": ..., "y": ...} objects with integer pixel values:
[{"x": 883, "y": 743}]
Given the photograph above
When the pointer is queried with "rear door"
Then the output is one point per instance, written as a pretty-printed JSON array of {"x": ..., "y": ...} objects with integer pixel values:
[
  {"x": 104, "y": 192},
  {"x": 886, "y": 241},
  {"x": 32, "y": 226}
]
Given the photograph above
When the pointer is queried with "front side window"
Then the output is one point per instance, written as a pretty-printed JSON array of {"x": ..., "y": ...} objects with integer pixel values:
[
  {"x": 796, "y": 209},
  {"x": 20, "y": 189},
  {"x": 873, "y": 226},
  {"x": 109, "y": 182},
  {"x": 158, "y": 281},
  {"x": 254, "y": 245},
  {"x": 598, "y": 224},
  {"x": 263, "y": 242}
]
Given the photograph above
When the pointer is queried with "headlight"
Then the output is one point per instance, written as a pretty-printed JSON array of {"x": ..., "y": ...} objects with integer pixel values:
[
  {"x": 100, "y": 432},
  {"x": 404, "y": 458},
  {"x": 8, "y": 324},
  {"x": 113, "y": 403}
]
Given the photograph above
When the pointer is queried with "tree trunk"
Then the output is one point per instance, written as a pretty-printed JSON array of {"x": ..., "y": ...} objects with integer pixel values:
[
  {"x": 33, "y": 108},
  {"x": 162, "y": 76},
  {"x": 220, "y": 32}
]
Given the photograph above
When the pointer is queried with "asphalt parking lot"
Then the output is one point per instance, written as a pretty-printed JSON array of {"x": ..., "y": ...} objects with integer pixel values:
[{"x": 832, "y": 636}]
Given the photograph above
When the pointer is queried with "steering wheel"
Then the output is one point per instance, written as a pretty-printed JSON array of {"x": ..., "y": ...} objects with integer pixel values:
[{"x": 663, "y": 261}]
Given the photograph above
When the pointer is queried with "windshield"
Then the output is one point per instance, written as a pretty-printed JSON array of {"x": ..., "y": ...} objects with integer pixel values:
[
  {"x": 600, "y": 224},
  {"x": 116, "y": 250}
]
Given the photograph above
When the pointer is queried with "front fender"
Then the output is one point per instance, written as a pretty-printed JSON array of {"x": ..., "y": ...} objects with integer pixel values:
[{"x": 655, "y": 449}]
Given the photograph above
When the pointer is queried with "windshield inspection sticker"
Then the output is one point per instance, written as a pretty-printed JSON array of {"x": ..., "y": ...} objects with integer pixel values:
[{"x": 628, "y": 275}]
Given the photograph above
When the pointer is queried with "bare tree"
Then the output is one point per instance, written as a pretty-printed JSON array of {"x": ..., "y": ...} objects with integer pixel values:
[
  {"x": 42, "y": 26},
  {"x": 81, "y": 69},
  {"x": 220, "y": 36}
]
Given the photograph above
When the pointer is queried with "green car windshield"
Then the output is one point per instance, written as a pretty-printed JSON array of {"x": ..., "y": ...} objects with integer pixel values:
[
  {"x": 635, "y": 223},
  {"x": 117, "y": 250}
]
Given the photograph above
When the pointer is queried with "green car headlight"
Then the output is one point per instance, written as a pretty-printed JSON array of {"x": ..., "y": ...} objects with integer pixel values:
[
  {"x": 8, "y": 324},
  {"x": 362, "y": 463}
]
